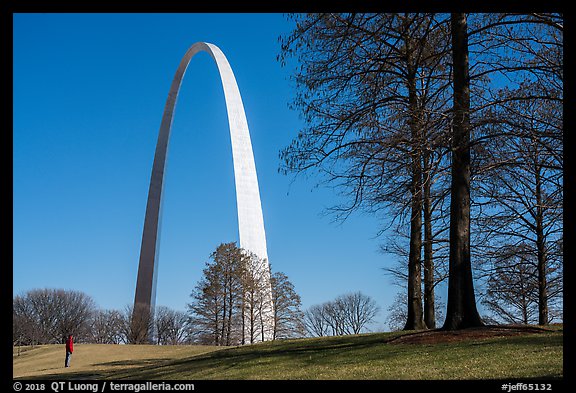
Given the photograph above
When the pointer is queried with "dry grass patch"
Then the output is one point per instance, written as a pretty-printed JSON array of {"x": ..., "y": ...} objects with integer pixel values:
[{"x": 492, "y": 353}]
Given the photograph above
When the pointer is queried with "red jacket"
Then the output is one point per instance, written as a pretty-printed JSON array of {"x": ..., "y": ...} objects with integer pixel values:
[{"x": 69, "y": 344}]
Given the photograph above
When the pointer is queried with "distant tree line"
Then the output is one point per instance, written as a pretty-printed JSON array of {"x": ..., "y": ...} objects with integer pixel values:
[
  {"x": 47, "y": 316},
  {"x": 450, "y": 127},
  {"x": 225, "y": 310}
]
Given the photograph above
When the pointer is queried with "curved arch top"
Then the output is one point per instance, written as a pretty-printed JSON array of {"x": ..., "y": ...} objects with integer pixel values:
[{"x": 250, "y": 220}]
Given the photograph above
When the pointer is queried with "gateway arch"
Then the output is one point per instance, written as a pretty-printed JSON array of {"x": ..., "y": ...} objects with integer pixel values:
[{"x": 250, "y": 219}]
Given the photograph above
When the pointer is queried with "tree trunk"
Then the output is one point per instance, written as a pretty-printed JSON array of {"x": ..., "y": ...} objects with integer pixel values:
[
  {"x": 429, "y": 313},
  {"x": 523, "y": 294},
  {"x": 216, "y": 327},
  {"x": 461, "y": 310},
  {"x": 541, "y": 247},
  {"x": 224, "y": 309},
  {"x": 230, "y": 313},
  {"x": 243, "y": 317},
  {"x": 415, "y": 319}
]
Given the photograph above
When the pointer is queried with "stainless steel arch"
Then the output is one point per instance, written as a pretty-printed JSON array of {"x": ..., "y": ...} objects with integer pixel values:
[{"x": 250, "y": 219}]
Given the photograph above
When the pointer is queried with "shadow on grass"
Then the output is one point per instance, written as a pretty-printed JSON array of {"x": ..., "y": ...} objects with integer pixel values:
[
  {"x": 221, "y": 364},
  {"x": 288, "y": 359},
  {"x": 290, "y": 355},
  {"x": 84, "y": 375},
  {"x": 280, "y": 360},
  {"x": 130, "y": 363}
]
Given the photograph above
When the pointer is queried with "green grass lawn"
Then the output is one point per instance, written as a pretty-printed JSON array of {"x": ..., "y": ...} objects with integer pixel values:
[{"x": 367, "y": 356}]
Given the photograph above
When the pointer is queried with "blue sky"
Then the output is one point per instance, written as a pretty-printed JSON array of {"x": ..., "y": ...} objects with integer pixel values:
[{"x": 89, "y": 91}]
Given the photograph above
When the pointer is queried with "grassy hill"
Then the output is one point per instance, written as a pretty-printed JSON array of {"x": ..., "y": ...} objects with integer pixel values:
[{"x": 470, "y": 354}]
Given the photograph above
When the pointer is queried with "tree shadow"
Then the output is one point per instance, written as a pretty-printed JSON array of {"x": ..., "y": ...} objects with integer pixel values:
[
  {"x": 129, "y": 363},
  {"x": 216, "y": 365},
  {"x": 293, "y": 354},
  {"x": 74, "y": 375}
]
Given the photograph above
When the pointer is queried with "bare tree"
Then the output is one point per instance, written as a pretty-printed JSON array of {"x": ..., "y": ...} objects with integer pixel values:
[
  {"x": 254, "y": 288},
  {"x": 288, "y": 316},
  {"x": 171, "y": 326},
  {"x": 461, "y": 309},
  {"x": 315, "y": 321},
  {"x": 335, "y": 314},
  {"x": 518, "y": 143},
  {"x": 347, "y": 314},
  {"x": 229, "y": 264},
  {"x": 77, "y": 309},
  {"x": 359, "y": 309},
  {"x": 228, "y": 303},
  {"x": 397, "y": 312},
  {"x": 522, "y": 50},
  {"x": 107, "y": 327},
  {"x": 25, "y": 331},
  {"x": 205, "y": 310},
  {"x": 522, "y": 189},
  {"x": 512, "y": 293},
  {"x": 372, "y": 89},
  {"x": 138, "y": 323},
  {"x": 436, "y": 251},
  {"x": 51, "y": 314}
]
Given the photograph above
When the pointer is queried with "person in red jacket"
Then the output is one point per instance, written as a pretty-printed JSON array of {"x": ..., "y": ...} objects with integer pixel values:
[{"x": 69, "y": 350}]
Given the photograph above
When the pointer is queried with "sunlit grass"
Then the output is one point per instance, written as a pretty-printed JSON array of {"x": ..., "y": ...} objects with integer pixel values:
[{"x": 369, "y": 356}]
